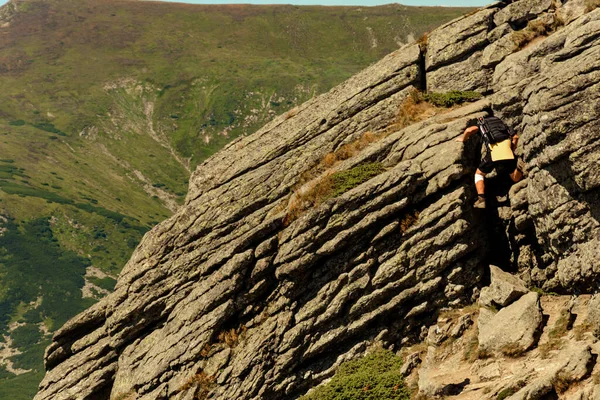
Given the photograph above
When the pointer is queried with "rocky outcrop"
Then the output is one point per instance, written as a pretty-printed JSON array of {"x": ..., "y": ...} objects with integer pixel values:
[
  {"x": 559, "y": 362},
  {"x": 503, "y": 290},
  {"x": 232, "y": 299}
]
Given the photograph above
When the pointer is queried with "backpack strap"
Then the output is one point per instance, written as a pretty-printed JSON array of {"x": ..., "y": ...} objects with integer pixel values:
[{"x": 485, "y": 130}]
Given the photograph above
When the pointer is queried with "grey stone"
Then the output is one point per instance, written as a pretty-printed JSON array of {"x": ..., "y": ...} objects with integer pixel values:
[
  {"x": 454, "y": 40},
  {"x": 571, "y": 10},
  {"x": 462, "y": 76},
  {"x": 504, "y": 289},
  {"x": 593, "y": 317},
  {"x": 410, "y": 363},
  {"x": 571, "y": 365},
  {"x": 521, "y": 11},
  {"x": 497, "y": 51},
  {"x": 499, "y": 32},
  {"x": 489, "y": 372},
  {"x": 513, "y": 329},
  {"x": 437, "y": 334},
  {"x": 463, "y": 323}
]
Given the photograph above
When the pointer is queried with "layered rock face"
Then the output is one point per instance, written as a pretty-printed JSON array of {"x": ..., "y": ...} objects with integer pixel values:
[{"x": 230, "y": 300}]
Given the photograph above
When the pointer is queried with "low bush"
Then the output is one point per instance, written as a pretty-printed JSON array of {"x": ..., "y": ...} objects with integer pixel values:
[
  {"x": 48, "y": 127},
  {"x": 330, "y": 185},
  {"x": 343, "y": 181},
  {"x": 451, "y": 98},
  {"x": 509, "y": 391},
  {"x": 17, "y": 122},
  {"x": 374, "y": 377},
  {"x": 106, "y": 283}
]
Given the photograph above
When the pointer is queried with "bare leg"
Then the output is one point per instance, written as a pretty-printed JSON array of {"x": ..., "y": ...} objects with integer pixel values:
[
  {"x": 480, "y": 183},
  {"x": 516, "y": 175}
]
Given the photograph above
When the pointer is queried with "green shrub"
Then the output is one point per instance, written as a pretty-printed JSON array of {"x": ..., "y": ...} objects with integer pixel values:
[
  {"x": 17, "y": 122},
  {"x": 48, "y": 127},
  {"x": 346, "y": 180},
  {"x": 509, "y": 391},
  {"x": 451, "y": 98},
  {"x": 374, "y": 377},
  {"x": 107, "y": 283},
  {"x": 26, "y": 336}
]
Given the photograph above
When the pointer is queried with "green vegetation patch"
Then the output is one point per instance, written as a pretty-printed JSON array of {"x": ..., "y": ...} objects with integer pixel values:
[
  {"x": 107, "y": 283},
  {"x": 374, "y": 377},
  {"x": 344, "y": 181},
  {"x": 509, "y": 391},
  {"x": 34, "y": 266},
  {"x": 451, "y": 98},
  {"x": 48, "y": 127}
]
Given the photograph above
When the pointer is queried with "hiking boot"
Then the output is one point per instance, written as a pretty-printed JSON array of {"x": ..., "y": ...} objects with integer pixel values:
[{"x": 480, "y": 203}]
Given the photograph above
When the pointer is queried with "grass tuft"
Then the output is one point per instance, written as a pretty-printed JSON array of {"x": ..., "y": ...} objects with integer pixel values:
[
  {"x": 509, "y": 391},
  {"x": 555, "y": 335},
  {"x": 412, "y": 109},
  {"x": 422, "y": 42},
  {"x": 409, "y": 220},
  {"x": 231, "y": 337},
  {"x": 328, "y": 186},
  {"x": 344, "y": 181},
  {"x": 591, "y": 5},
  {"x": 534, "y": 29},
  {"x": 203, "y": 383},
  {"x": 452, "y": 98}
]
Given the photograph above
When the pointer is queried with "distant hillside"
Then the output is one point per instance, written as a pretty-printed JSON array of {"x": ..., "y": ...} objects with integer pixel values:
[{"x": 106, "y": 108}]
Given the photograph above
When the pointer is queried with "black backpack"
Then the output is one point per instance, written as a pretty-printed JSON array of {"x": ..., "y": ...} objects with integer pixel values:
[{"x": 493, "y": 129}]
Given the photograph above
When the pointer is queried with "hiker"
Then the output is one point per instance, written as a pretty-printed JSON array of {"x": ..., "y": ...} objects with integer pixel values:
[{"x": 500, "y": 143}]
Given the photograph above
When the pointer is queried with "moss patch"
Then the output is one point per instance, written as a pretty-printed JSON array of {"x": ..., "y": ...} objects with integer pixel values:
[
  {"x": 451, "y": 98},
  {"x": 344, "y": 181}
]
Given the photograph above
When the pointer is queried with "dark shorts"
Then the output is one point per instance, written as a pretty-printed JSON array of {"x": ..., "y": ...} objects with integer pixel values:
[{"x": 502, "y": 167}]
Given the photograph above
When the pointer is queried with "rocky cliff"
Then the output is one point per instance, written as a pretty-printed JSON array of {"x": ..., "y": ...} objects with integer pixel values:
[{"x": 232, "y": 299}]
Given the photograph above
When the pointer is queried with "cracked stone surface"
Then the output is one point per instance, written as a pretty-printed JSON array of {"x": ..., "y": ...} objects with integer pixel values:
[{"x": 297, "y": 299}]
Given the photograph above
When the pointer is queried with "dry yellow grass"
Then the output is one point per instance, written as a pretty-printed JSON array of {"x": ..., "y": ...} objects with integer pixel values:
[
  {"x": 231, "y": 337},
  {"x": 422, "y": 41},
  {"x": 561, "y": 383},
  {"x": 205, "y": 352},
  {"x": 591, "y": 5},
  {"x": 291, "y": 113},
  {"x": 412, "y": 109},
  {"x": 308, "y": 194},
  {"x": 535, "y": 29},
  {"x": 202, "y": 381},
  {"x": 408, "y": 220}
]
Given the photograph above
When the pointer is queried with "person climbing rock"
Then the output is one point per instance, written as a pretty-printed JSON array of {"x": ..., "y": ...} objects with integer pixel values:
[{"x": 500, "y": 144}]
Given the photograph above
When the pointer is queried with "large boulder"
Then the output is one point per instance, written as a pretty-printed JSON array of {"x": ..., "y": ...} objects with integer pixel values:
[
  {"x": 514, "y": 329},
  {"x": 504, "y": 289}
]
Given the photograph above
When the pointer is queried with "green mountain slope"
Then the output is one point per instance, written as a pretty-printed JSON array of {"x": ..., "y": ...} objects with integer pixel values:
[{"x": 106, "y": 107}]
